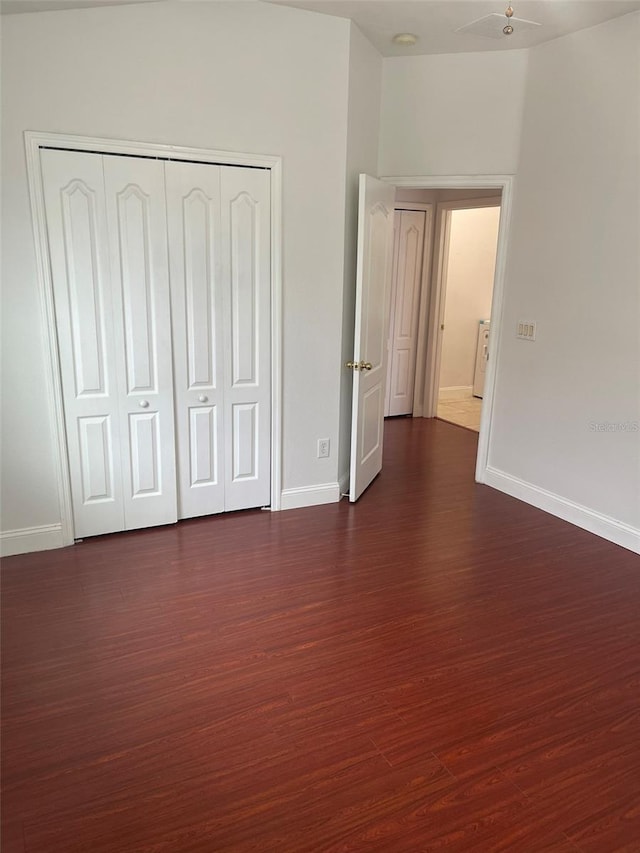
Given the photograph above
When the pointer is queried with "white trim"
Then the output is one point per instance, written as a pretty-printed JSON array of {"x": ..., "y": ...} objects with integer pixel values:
[
  {"x": 449, "y": 182},
  {"x": 423, "y": 313},
  {"x": 107, "y": 145},
  {"x": 436, "y": 310},
  {"x": 504, "y": 183},
  {"x": 27, "y": 539},
  {"x": 595, "y": 522},
  {"x": 470, "y": 203},
  {"x": 455, "y": 392},
  {"x": 420, "y": 206},
  {"x": 327, "y": 493},
  {"x": 276, "y": 333},
  {"x": 35, "y": 140}
]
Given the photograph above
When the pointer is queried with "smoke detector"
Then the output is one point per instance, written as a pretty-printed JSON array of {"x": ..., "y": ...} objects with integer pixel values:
[
  {"x": 492, "y": 26},
  {"x": 405, "y": 39}
]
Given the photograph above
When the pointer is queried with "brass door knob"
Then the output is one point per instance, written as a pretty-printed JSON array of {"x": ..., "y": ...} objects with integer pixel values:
[{"x": 359, "y": 365}]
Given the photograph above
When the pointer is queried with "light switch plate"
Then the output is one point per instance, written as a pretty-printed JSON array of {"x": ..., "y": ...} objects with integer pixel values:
[{"x": 526, "y": 330}]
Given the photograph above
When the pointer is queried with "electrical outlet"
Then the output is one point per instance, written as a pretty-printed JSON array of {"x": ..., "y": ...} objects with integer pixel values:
[
  {"x": 526, "y": 330},
  {"x": 324, "y": 445}
]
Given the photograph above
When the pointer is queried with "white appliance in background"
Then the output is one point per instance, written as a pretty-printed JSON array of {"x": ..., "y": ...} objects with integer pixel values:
[{"x": 482, "y": 356}]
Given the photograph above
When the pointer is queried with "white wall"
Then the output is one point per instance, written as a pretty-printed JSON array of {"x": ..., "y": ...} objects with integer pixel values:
[
  {"x": 237, "y": 76},
  {"x": 574, "y": 267},
  {"x": 470, "y": 268},
  {"x": 452, "y": 114},
  {"x": 365, "y": 75}
]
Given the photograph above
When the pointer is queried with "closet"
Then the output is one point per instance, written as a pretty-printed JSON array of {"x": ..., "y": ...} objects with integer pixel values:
[{"x": 161, "y": 281}]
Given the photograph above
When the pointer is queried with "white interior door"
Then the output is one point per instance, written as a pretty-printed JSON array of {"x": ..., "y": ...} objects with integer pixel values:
[
  {"x": 108, "y": 248},
  {"x": 193, "y": 210},
  {"x": 136, "y": 218},
  {"x": 373, "y": 281},
  {"x": 405, "y": 300},
  {"x": 79, "y": 255},
  {"x": 246, "y": 276},
  {"x": 110, "y": 222},
  {"x": 220, "y": 255}
]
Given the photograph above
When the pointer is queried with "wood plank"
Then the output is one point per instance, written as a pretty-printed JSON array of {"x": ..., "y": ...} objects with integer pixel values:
[{"x": 437, "y": 667}]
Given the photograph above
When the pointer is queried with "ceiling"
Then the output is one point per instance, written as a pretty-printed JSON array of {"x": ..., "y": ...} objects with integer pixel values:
[
  {"x": 433, "y": 21},
  {"x": 14, "y": 7}
]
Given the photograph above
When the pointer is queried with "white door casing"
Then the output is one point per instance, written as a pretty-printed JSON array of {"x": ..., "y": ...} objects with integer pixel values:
[
  {"x": 74, "y": 200},
  {"x": 405, "y": 300},
  {"x": 193, "y": 214},
  {"x": 394, "y": 280},
  {"x": 136, "y": 219},
  {"x": 373, "y": 281}
]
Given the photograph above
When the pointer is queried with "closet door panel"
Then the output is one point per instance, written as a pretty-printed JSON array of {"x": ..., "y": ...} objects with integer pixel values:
[
  {"x": 244, "y": 440},
  {"x": 136, "y": 217},
  {"x": 406, "y": 295},
  {"x": 203, "y": 448},
  {"x": 244, "y": 247},
  {"x": 78, "y": 248},
  {"x": 246, "y": 273},
  {"x": 193, "y": 210}
]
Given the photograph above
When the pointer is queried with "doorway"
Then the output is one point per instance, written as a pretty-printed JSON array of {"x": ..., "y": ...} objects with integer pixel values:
[
  {"x": 496, "y": 190},
  {"x": 466, "y": 278},
  {"x": 459, "y": 277}
]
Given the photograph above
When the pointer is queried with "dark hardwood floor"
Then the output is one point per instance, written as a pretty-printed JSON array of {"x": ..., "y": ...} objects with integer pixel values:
[{"x": 439, "y": 667}]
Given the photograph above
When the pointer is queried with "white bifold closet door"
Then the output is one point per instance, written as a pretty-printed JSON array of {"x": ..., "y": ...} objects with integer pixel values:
[
  {"x": 408, "y": 252},
  {"x": 106, "y": 220},
  {"x": 219, "y": 247},
  {"x": 161, "y": 279}
]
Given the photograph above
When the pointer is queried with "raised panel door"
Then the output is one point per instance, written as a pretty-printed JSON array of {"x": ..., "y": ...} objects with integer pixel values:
[
  {"x": 193, "y": 218},
  {"x": 85, "y": 321},
  {"x": 405, "y": 298},
  {"x": 373, "y": 281},
  {"x": 136, "y": 218},
  {"x": 246, "y": 291}
]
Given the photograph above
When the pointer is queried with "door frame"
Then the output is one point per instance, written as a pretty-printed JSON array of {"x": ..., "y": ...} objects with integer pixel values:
[
  {"x": 506, "y": 184},
  {"x": 34, "y": 141},
  {"x": 435, "y": 334}
]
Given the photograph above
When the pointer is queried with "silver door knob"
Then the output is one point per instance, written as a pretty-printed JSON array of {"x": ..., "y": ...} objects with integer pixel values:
[
  {"x": 203, "y": 398},
  {"x": 144, "y": 404}
]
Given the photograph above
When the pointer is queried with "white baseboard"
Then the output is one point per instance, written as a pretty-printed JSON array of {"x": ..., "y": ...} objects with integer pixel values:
[
  {"x": 28, "y": 539},
  {"x": 595, "y": 522},
  {"x": 455, "y": 392},
  {"x": 327, "y": 493}
]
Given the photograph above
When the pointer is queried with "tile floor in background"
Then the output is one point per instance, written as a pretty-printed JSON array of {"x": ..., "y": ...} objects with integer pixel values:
[{"x": 465, "y": 412}]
